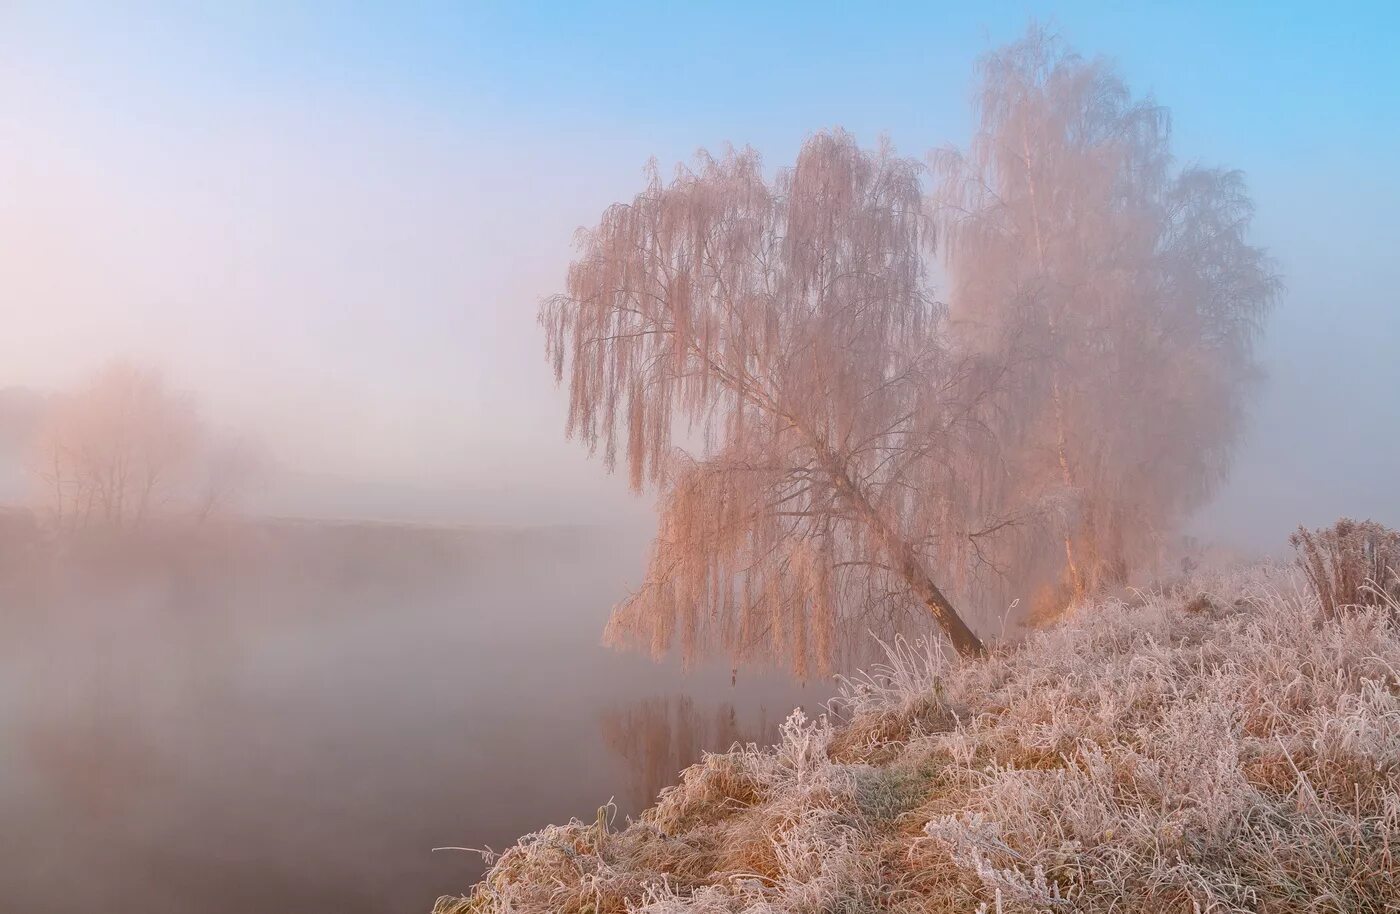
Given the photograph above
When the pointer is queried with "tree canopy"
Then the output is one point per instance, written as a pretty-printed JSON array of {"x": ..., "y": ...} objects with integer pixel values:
[
  {"x": 837, "y": 451},
  {"x": 1124, "y": 298},
  {"x": 789, "y": 325}
]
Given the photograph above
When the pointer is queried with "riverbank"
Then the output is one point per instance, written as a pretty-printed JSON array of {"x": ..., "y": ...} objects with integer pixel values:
[{"x": 1221, "y": 747}]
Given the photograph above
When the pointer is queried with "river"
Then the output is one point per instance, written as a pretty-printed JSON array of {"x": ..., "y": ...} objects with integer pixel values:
[{"x": 290, "y": 718}]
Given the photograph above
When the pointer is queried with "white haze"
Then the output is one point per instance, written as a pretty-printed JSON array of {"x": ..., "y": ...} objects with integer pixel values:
[
  {"x": 333, "y": 224},
  {"x": 351, "y": 278}
]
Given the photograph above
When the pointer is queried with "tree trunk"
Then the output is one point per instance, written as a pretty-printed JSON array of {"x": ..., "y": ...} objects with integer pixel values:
[
  {"x": 1067, "y": 475},
  {"x": 1061, "y": 443},
  {"x": 906, "y": 562}
]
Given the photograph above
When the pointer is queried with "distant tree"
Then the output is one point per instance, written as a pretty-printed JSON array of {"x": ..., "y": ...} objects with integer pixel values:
[
  {"x": 1123, "y": 294},
  {"x": 789, "y": 325},
  {"x": 115, "y": 450}
]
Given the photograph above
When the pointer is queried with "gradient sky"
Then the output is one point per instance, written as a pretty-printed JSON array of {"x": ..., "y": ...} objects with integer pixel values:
[{"x": 335, "y": 222}]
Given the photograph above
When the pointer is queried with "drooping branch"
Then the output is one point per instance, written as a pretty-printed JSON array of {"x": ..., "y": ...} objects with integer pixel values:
[{"x": 790, "y": 326}]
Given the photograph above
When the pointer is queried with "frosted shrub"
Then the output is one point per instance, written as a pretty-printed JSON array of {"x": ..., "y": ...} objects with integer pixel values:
[{"x": 1350, "y": 563}]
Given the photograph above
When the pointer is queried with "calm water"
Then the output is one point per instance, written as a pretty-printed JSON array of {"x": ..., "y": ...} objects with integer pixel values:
[{"x": 291, "y": 721}]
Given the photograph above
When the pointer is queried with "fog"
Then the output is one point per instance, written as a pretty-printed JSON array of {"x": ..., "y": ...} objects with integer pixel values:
[
  {"x": 290, "y": 285},
  {"x": 339, "y": 234},
  {"x": 295, "y": 716},
  {"x": 333, "y": 230}
]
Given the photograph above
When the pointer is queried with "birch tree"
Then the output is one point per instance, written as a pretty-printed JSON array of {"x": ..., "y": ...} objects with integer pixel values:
[
  {"x": 767, "y": 355},
  {"x": 1123, "y": 293}
]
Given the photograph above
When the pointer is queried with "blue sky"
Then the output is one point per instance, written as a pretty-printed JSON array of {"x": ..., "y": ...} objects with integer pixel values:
[
  {"x": 1259, "y": 77},
  {"x": 333, "y": 216}
]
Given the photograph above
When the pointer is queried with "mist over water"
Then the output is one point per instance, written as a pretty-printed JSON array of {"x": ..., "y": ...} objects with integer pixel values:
[
  {"x": 363, "y": 619},
  {"x": 288, "y": 718}
]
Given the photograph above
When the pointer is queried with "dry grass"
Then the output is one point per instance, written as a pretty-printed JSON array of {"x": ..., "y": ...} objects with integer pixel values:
[
  {"x": 1236, "y": 748},
  {"x": 1351, "y": 563}
]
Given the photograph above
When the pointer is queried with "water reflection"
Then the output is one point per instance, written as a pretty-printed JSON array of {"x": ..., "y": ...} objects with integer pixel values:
[
  {"x": 291, "y": 719},
  {"x": 657, "y": 737},
  {"x": 98, "y": 759}
]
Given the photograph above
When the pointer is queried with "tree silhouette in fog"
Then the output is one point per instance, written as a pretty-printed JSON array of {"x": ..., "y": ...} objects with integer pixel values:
[
  {"x": 789, "y": 326},
  {"x": 111, "y": 451},
  {"x": 1124, "y": 298},
  {"x": 124, "y": 446}
]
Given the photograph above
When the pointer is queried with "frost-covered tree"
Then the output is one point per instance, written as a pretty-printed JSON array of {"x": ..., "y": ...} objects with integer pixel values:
[
  {"x": 124, "y": 447},
  {"x": 116, "y": 449},
  {"x": 783, "y": 331},
  {"x": 1125, "y": 297}
]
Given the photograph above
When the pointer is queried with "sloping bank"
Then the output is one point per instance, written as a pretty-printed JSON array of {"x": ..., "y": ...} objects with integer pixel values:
[{"x": 1220, "y": 750}]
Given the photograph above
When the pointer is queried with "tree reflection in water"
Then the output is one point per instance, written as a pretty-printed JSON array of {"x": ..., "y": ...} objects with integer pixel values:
[{"x": 658, "y": 737}]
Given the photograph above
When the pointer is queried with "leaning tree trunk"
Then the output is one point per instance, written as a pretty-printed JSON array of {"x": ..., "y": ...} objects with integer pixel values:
[{"x": 906, "y": 562}]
